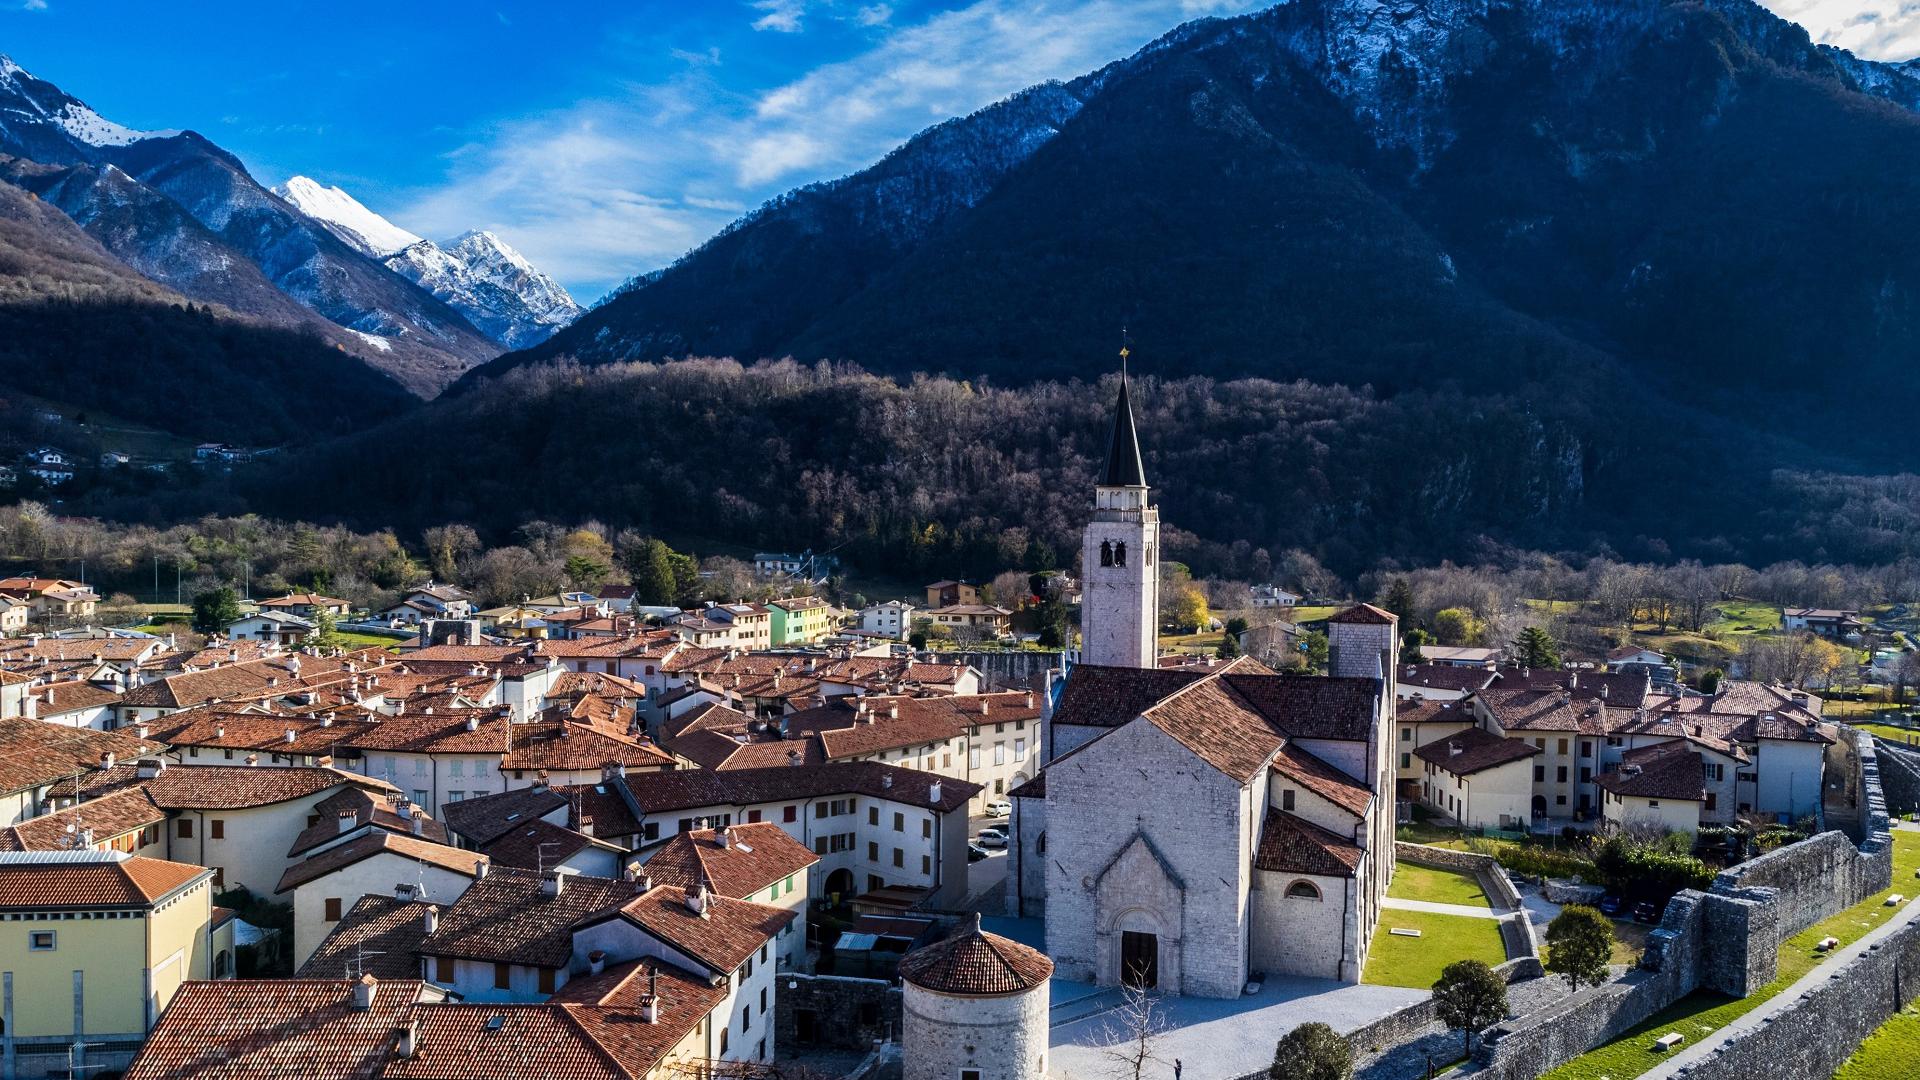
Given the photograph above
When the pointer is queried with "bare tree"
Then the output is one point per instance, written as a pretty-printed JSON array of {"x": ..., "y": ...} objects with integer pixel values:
[{"x": 1135, "y": 1029}]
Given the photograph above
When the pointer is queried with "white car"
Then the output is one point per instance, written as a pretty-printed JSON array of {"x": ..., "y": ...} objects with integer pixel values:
[
  {"x": 999, "y": 808},
  {"x": 991, "y": 838}
]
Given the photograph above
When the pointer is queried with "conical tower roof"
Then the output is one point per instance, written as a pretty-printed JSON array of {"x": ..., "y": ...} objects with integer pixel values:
[{"x": 1123, "y": 452}]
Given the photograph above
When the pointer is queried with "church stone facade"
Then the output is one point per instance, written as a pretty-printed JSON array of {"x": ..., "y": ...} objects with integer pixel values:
[{"x": 1199, "y": 826}]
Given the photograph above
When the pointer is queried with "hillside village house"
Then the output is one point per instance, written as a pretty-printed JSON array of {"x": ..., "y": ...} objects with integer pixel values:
[
  {"x": 306, "y": 605},
  {"x": 973, "y": 621},
  {"x": 54, "y": 600},
  {"x": 1827, "y": 622},
  {"x": 1479, "y": 779},
  {"x": 287, "y": 631},
  {"x": 1467, "y": 656},
  {"x": 1271, "y": 596},
  {"x": 41, "y": 756},
  {"x": 16, "y": 613},
  {"x": 892, "y": 619},
  {"x": 799, "y": 620},
  {"x": 948, "y": 593},
  {"x": 324, "y": 885},
  {"x": 1664, "y": 787},
  {"x": 116, "y": 935}
]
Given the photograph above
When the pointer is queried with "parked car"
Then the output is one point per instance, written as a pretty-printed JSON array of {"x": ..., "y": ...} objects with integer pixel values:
[
  {"x": 1645, "y": 912},
  {"x": 975, "y": 853},
  {"x": 991, "y": 838},
  {"x": 1610, "y": 905},
  {"x": 999, "y": 808}
]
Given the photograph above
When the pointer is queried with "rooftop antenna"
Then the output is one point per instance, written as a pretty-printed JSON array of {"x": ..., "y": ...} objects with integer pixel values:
[
  {"x": 357, "y": 966},
  {"x": 540, "y": 854}
]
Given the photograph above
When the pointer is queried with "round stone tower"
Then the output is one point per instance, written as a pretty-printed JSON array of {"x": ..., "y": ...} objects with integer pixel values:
[{"x": 975, "y": 1005}]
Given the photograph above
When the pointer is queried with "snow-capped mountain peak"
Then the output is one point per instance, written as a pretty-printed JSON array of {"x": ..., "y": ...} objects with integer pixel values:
[
  {"x": 345, "y": 217},
  {"x": 46, "y": 103}
]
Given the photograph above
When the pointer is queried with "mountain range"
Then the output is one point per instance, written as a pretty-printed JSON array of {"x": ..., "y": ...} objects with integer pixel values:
[
  {"x": 1688, "y": 201},
  {"x": 186, "y": 214}
]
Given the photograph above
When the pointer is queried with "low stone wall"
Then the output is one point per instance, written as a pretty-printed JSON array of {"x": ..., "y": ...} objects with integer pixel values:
[
  {"x": 1824, "y": 1026},
  {"x": 845, "y": 1013},
  {"x": 1369, "y": 1041},
  {"x": 1485, "y": 866},
  {"x": 1899, "y": 777}
]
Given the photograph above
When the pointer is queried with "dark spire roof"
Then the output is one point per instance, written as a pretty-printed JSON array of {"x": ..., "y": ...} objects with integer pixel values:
[{"x": 1123, "y": 453}]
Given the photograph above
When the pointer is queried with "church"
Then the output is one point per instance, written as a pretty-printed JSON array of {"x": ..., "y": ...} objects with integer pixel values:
[{"x": 1199, "y": 826}]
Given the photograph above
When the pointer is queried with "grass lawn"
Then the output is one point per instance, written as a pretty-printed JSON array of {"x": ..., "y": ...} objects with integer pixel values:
[
  {"x": 1629, "y": 941},
  {"x": 1416, "y": 962},
  {"x": 1700, "y": 1014},
  {"x": 1206, "y": 643},
  {"x": 1412, "y": 881},
  {"x": 361, "y": 641},
  {"x": 1891, "y": 1051},
  {"x": 1744, "y": 617},
  {"x": 1898, "y": 736}
]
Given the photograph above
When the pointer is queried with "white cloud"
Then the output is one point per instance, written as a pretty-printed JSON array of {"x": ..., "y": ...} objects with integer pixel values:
[
  {"x": 612, "y": 187},
  {"x": 34, "y": 5},
  {"x": 782, "y": 16},
  {"x": 874, "y": 15},
  {"x": 1873, "y": 29}
]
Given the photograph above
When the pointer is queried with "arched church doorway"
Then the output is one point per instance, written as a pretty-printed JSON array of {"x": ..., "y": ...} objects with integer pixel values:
[{"x": 1139, "y": 959}]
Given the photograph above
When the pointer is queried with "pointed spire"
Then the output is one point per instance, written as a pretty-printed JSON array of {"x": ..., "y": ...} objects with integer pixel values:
[{"x": 1123, "y": 453}]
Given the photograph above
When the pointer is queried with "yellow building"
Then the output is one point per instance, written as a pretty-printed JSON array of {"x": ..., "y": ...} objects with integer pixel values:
[
  {"x": 800, "y": 620},
  {"x": 93, "y": 944}
]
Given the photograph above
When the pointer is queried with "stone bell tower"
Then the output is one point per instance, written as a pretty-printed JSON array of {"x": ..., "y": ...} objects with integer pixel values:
[{"x": 1120, "y": 590}]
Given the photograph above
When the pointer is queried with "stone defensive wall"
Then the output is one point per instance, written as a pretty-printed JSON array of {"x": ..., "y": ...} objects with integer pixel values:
[{"x": 1727, "y": 939}]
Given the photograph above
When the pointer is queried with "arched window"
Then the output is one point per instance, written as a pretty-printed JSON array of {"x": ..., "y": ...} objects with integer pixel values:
[
  {"x": 1303, "y": 890},
  {"x": 1106, "y": 553},
  {"x": 1120, "y": 553},
  {"x": 1040, "y": 847}
]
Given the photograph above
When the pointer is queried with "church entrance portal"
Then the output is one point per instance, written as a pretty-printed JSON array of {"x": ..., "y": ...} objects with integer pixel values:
[{"x": 1139, "y": 959}]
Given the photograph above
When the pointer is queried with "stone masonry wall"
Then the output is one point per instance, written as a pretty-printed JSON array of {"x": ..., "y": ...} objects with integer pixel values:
[
  {"x": 1486, "y": 866},
  {"x": 1821, "y": 1029},
  {"x": 1004, "y": 669},
  {"x": 1899, "y": 777},
  {"x": 848, "y": 1014}
]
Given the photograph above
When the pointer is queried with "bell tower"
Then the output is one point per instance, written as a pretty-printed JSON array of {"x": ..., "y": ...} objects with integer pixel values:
[{"x": 1120, "y": 580}]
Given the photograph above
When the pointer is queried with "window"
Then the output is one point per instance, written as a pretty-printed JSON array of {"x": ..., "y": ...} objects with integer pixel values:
[
  {"x": 926, "y": 863},
  {"x": 456, "y": 767},
  {"x": 926, "y": 828},
  {"x": 443, "y": 969},
  {"x": 1653, "y": 802},
  {"x": 1586, "y": 747},
  {"x": 819, "y": 845},
  {"x": 653, "y": 830},
  {"x": 41, "y": 941},
  {"x": 746, "y": 1019},
  {"x": 217, "y": 828},
  {"x": 1286, "y": 799},
  {"x": 873, "y": 851},
  {"x": 1613, "y": 740},
  {"x": 1712, "y": 800},
  {"x": 999, "y": 753},
  {"x": 1406, "y": 734},
  {"x": 1586, "y": 775},
  {"x": 1539, "y": 774},
  {"x": 1406, "y": 761},
  {"x": 1560, "y": 800},
  {"x": 1562, "y": 744},
  {"x": 790, "y": 813},
  {"x": 1540, "y": 744},
  {"x": 820, "y": 809},
  {"x": 1304, "y": 890},
  {"x": 419, "y": 766},
  {"x": 184, "y": 830},
  {"x": 456, "y": 796},
  {"x": 419, "y": 796},
  {"x": 899, "y": 822},
  {"x": 546, "y": 980},
  {"x": 899, "y": 857},
  {"x": 1019, "y": 749},
  {"x": 723, "y": 1039},
  {"x": 873, "y": 812},
  {"x": 333, "y": 909},
  {"x": 1561, "y": 774},
  {"x": 973, "y": 758},
  {"x": 503, "y": 976},
  {"x": 969, "y": 1074},
  {"x": 1716, "y": 771}
]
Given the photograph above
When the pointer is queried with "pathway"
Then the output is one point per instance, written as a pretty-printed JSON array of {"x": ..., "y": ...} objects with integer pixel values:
[
  {"x": 1822, "y": 972},
  {"x": 1440, "y": 909}
]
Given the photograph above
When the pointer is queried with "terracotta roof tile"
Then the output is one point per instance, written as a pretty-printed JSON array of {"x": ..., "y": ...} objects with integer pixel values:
[
  {"x": 374, "y": 843},
  {"x": 505, "y": 917},
  {"x": 381, "y": 809},
  {"x": 1474, "y": 750},
  {"x": 1669, "y": 770},
  {"x": 756, "y": 856},
  {"x": 35, "y": 752},
  {"x": 235, "y": 787},
  {"x": 112, "y": 814},
  {"x": 486, "y": 818},
  {"x": 41, "y": 879},
  {"x": 722, "y": 938},
  {"x": 1365, "y": 613},
  {"x": 378, "y": 936},
  {"x": 538, "y": 844},
  {"x": 274, "y": 1029},
  {"x": 1289, "y": 844},
  {"x": 976, "y": 963},
  {"x": 1324, "y": 780}
]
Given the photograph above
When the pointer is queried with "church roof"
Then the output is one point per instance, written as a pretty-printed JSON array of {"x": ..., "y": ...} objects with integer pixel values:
[
  {"x": 1364, "y": 613},
  {"x": 1123, "y": 452},
  {"x": 1292, "y": 845}
]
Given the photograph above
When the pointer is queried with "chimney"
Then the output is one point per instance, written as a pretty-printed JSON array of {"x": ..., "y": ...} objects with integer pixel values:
[
  {"x": 552, "y": 883},
  {"x": 886, "y": 780},
  {"x": 327, "y": 720},
  {"x": 723, "y": 836},
  {"x": 933, "y": 793},
  {"x": 1453, "y": 749},
  {"x": 292, "y": 736},
  {"x": 473, "y": 722},
  {"x": 650, "y": 1004},
  {"x": 106, "y": 760},
  {"x": 152, "y": 767},
  {"x": 983, "y": 706},
  {"x": 480, "y": 870},
  {"x": 586, "y": 825},
  {"x": 219, "y": 731},
  {"x": 409, "y": 1039},
  {"x": 697, "y": 901},
  {"x": 363, "y": 992},
  {"x": 417, "y": 826},
  {"x": 143, "y": 730},
  {"x": 348, "y": 820},
  {"x": 404, "y": 808},
  {"x": 1603, "y": 691},
  {"x": 893, "y": 711},
  {"x": 403, "y": 891},
  {"x": 793, "y": 757},
  {"x": 596, "y": 961}
]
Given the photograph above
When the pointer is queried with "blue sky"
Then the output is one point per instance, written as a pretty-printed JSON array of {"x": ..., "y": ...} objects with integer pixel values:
[{"x": 606, "y": 139}]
